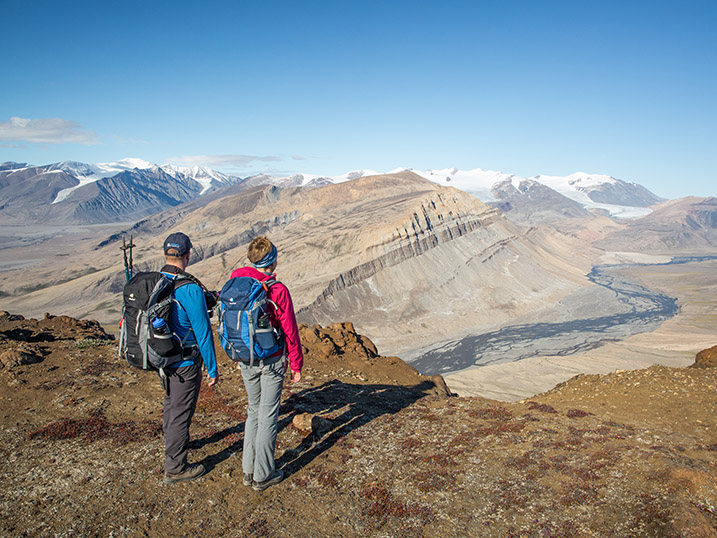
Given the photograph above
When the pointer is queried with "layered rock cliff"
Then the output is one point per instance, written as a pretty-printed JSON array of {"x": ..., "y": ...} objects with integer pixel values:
[{"x": 450, "y": 265}]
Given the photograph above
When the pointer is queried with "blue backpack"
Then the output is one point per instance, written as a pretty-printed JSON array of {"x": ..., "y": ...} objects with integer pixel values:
[{"x": 244, "y": 328}]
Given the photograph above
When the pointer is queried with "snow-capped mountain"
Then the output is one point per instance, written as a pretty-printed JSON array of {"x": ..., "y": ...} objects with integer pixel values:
[
  {"x": 592, "y": 191},
  {"x": 620, "y": 198},
  {"x": 209, "y": 179},
  {"x": 127, "y": 189},
  {"x": 530, "y": 203},
  {"x": 478, "y": 181},
  {"x": 73, "y": 192},
  {"x": 89, "y": 173},
  {"x": 311, "y": 180}
]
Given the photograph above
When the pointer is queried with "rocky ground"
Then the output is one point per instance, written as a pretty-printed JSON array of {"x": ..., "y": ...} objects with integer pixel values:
[{"x": 371, "y": 448}]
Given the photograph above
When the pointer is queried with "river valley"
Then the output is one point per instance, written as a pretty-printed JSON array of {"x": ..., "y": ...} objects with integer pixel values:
[{"x": 613, "y": 310}]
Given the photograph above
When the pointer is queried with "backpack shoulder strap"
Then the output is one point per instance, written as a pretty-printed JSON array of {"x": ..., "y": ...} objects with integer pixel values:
[
  {"x": 159, "y": 287},
  {"x": 184, "y": 278},
  {"x": 269, "y": 283},
  {"x": 179, "y": 282}
]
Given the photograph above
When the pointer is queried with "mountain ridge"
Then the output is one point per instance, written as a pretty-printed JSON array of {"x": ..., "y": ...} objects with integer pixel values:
[
  {"x": 593, "y": 192},
  {"x": 673, "y": 226}
]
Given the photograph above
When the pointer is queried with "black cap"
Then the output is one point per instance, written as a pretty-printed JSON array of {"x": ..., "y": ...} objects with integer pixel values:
[{"x": 179, "y": 242}]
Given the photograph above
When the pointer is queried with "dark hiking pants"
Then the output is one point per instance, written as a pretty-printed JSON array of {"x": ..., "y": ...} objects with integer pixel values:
[{"x": 181, "y": 391}]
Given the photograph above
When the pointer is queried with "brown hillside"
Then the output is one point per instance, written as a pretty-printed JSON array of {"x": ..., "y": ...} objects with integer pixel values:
[
  {"x": 625, "y": 454},
  {"x": 682, "y": 225}
]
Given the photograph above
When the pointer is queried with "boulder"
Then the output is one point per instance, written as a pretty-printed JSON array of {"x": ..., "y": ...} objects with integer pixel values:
[
  {"x": 441, "y": 387},
  {"x": 20, "y": 356},
  {"x": 7, "y": 316},
  {"x": 312, "y": 423}
]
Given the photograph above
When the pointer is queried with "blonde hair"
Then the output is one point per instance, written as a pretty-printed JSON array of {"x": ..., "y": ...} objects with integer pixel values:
[{"x": 258, "y": 248}]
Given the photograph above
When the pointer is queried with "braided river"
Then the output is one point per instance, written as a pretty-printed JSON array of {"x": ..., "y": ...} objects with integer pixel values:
[{"x": 613, "y": 310}]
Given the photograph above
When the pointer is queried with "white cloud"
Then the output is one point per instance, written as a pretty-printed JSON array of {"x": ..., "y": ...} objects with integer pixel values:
[
  {"x": 47, "y": 130},
  {"x": 221, "y": 161}
]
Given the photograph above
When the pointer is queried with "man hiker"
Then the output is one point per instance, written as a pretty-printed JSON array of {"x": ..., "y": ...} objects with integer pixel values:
[
  {"x": 189, "y": 321},
  {"x": 264, "y": 379}
]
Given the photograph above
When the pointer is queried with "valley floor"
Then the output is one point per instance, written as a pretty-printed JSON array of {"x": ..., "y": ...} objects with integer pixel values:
[{"x": 674, "y": 343}]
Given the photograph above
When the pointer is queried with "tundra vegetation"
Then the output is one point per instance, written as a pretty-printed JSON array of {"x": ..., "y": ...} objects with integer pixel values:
[{"x": 371, "y": 448}]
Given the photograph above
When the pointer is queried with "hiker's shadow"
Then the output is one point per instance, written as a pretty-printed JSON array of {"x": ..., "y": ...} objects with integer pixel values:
[
  {"x": 357, "y": 404},
  {"x": 211, "y": 461}
]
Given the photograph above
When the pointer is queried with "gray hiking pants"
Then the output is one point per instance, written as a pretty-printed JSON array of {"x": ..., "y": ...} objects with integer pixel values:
[
  {"x": 181, "y": 392},
  {"x": 263, "y": 383}
]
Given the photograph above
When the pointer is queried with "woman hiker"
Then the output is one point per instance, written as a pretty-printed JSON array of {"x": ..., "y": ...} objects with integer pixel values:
[{"x": 264, "y": 380}]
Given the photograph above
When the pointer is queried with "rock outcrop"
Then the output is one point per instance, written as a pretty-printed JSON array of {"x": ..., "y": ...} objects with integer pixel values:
[
  {"x": 707, "y": 358},
  {"x": 49, "y": 328},
  {"x": 340, "y": 350},
  {"x": 20, "y": 355}
]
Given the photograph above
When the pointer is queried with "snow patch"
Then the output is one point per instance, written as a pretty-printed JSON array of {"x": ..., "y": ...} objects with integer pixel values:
[
  {"x": 206, "y": 177},
  {"x": 89, "y": 173}
]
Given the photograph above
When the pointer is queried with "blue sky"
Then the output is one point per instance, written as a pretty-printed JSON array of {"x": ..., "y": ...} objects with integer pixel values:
[{"x": 627, "y": 89}]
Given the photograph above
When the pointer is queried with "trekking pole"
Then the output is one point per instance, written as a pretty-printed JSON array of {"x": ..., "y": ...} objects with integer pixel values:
[
  {"x": 131, "y": 265},
  {"x": 123, "y": 248},
  {"x": 127, "y": 262}
]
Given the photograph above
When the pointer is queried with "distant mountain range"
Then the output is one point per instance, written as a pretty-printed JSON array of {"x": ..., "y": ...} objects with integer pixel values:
[
  {"x": 74, "y": 193},
  {"x": 564, "y": 196},
  {"x": 131, "y": 189},
  {"x": 677, "y": 224}
]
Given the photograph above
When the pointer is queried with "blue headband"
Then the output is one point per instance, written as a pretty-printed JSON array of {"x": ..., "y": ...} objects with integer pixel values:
[{"x": 267, "y": 260}]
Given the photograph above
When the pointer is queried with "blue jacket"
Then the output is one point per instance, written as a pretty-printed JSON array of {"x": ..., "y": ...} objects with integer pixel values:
[{"x": 190, "y": 316}]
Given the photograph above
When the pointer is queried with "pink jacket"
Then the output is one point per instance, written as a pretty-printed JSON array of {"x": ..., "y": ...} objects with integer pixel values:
[{"x": 282, "y": 317}]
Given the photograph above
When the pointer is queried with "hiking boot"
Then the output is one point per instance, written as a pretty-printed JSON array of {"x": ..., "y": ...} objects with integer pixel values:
[
  {"x": 247, "y": 480},
  {"x": 190, "y": 473},
  {"x": 274, "y": 478}
]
